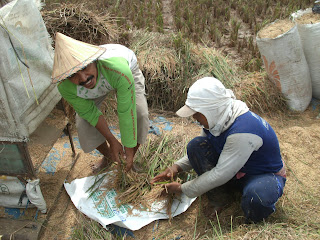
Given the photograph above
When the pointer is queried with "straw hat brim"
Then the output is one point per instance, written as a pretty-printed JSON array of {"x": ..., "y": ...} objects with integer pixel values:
[{"x": 72, "y": 55}]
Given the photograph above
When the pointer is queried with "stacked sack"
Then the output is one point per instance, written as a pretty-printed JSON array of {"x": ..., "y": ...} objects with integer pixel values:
[
  {"x": 308, "y": 24},
  {"x": 291, "y": 54},
  {"x": 285, "y": 63}
]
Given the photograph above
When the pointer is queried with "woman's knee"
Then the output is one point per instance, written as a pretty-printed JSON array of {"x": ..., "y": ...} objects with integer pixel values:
[
  {"x": 265, "y": 190},
  {"x": 259, "y": 198},
  {"x": 256, "y": 209},
  {"x": 196, "y": 144}
]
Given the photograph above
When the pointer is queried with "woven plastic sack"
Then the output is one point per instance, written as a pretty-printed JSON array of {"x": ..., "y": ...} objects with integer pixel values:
[
  {"x": 35, "y": 195},
  {"x": 24, "y": 104},
  {"x": 310, "y": 39},
  {"x": 13, "y": 193},
  {"x": 287, "y": 67}
]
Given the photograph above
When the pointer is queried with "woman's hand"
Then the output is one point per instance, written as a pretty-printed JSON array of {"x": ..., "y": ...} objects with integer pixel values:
[
  {"x": 171, "y": 188},
  {"x": 169, "y": 174}
]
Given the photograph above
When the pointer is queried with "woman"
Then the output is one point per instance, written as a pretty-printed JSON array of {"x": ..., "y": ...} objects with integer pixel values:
[{"x": 237, "y": 150}]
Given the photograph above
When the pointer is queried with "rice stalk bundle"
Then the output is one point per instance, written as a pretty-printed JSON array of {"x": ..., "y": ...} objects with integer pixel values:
[
  {"x": 134, "y": 187},
  {"x": 215, "y": 64},
  {"x": 155, "y": 54},
  {"x": 160, "y": 64},
  {"x": 260, "y": 94},
  {"x": 76, "y": 21}
]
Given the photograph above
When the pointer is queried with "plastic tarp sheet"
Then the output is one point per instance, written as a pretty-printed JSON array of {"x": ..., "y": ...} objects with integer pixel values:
[
  {"x": 106, "y": 212},
  {"x": 26, "y": 94}
]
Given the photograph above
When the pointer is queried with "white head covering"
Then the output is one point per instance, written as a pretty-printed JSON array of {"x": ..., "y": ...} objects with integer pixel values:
[{"x": 218, "y": 104}]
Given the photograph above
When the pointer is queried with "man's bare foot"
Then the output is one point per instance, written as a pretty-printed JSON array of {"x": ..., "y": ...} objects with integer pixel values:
[{"x": 103, "y": 163}]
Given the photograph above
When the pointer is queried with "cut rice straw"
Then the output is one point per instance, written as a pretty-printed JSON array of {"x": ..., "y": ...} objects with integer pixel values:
[
  {"x": 214, "y": 63},
  {"x": 134, "y": 187},
  {"x": 78, "y": 22}
]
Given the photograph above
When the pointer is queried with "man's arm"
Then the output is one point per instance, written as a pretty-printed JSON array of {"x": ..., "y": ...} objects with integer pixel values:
[
  {"x": 87, "y": 110},
  {"x": 115, "y": 146},
  {"x": 184, "y": 163}
]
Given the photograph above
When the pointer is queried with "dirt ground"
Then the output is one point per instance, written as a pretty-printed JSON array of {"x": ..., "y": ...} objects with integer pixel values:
[
  {"x": 299, "y": 208},
  {"x": 299, "y": 137}
]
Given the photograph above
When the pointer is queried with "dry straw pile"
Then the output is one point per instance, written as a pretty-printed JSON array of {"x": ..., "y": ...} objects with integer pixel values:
[
  {"x": 76, "y": 21},
  {"x": 309, "y": 18},
  {"x": 169, "y": 62},
  {"x": 276, "y": 29}
]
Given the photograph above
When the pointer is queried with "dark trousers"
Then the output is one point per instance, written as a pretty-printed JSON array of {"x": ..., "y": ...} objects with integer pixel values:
[{"x": 259, "y": 192}]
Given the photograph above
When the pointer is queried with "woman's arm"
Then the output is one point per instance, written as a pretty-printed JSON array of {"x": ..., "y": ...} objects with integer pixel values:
[{"x": 236, "y": 152}]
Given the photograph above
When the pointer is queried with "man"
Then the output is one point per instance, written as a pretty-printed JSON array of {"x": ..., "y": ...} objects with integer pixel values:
[
  {"x": 86, "y": 74},
  {"x": 237, "y": 151}
]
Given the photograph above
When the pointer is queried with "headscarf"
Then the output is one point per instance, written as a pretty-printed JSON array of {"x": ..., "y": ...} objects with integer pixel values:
[{"x": 218, "y": 104}]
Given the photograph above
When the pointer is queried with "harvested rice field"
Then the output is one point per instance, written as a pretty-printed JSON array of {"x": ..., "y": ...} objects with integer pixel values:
[{"x": 176, "y": 43}]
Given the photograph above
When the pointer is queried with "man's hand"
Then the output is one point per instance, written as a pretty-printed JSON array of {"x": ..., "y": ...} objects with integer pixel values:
[
  {"x": 169, "y": 174},
  {"x": 129, "y": 154},
  {"x": 116, "y": 151},
  {"x": 115, "y": 146}
]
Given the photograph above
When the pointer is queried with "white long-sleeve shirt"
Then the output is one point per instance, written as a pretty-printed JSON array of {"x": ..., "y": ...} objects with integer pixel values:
[{"x": 235, "y": 154}]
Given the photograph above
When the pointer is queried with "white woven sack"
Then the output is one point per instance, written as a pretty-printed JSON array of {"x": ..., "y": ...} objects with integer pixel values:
[
  {"x": 35, "y": 195},
  {"x": 310, "y": 39},
  {"x": 13, "y": 193},
  {"x": 287, "y": 67}
]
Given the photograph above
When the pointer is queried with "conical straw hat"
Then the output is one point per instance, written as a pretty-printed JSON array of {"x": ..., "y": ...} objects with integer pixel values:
[{"x": 71, "y": 55}]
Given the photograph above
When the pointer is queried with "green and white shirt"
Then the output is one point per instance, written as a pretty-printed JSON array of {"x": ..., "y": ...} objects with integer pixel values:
[{"x": 114, "y": 73}]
